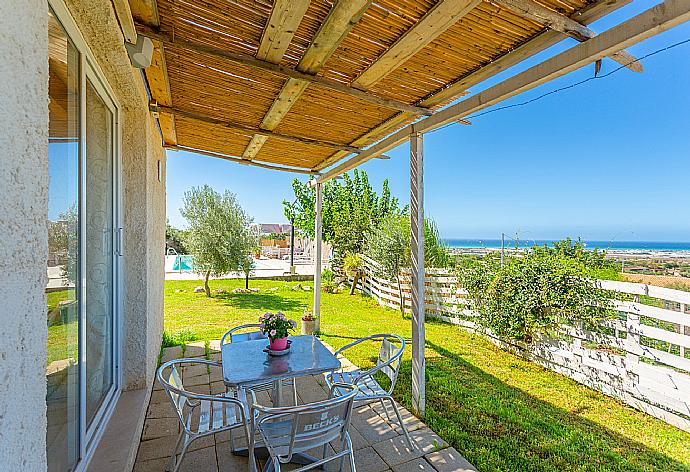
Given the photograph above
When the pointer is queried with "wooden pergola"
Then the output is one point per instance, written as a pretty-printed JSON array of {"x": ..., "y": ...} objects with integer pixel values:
[{"x": 319, "y": 87}]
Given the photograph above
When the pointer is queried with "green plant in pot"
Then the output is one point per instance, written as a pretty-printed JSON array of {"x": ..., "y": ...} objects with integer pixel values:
[{"x": 308, "y": 322}]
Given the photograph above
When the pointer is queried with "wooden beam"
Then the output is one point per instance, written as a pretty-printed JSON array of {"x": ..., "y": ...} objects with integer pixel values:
[
  {"x": 651, "y": 22},
  {"x": 338, "y": 23},
  {"x": 279, "y": 70},
  {"x": 418, "y": 295},
  {"x": 285, "y": 18},
  {"x": 124, "y": 17},
  {"x": 157, "y": 108},
  {"x": 239, "y": 160},
  {"x": 535, "y": 12},
  {"x": 545, "y": 40},
  {"x": 145, "y": 11},
  {"x": 435, "y": 22}
]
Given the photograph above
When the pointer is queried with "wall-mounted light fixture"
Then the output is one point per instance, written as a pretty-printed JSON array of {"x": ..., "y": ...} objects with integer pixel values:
[{"x": 140, "y": 53}]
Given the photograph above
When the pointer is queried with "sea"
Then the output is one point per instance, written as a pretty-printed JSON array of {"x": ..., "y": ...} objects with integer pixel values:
[{"x": 663, "y": 246}]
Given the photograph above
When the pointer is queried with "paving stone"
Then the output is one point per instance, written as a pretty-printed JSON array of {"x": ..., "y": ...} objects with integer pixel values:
[
  {"x": 395, "y": 451},
  {"x": 449, "y": 460},
  {"x": 373, "y": 428},
  {"x": 193, "y": 370},
  {"x": 170, "y": 353},
  {"x": 200, "y": 460},
  {"x": 160, "y": 427},
  {"x": 161, "y": 410},
  {"x": 195, "y": 350},
  {"x": 428, "y": 441},
  {"x": 216, "y": 374},
  {"x": 159, "y": 396},
  {"x": 196, "y": 380},
  {"x": 368, "y": 460},
  {"x": 203, "y": 388},
  {"x": 229, "y": 462},
  {"x": 156, "y": 448},
  {"x": 416, "y": 465},
  {"x": 154, "y": 465},
  {"x": 409, "y": 420}
]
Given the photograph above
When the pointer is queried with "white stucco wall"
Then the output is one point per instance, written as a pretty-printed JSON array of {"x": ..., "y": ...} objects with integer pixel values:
[
  {"x": 143, "y": 194},
  {"x": 23, "y": 232}
]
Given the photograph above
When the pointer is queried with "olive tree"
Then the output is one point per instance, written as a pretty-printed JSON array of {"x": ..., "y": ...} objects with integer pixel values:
[{"x": 219, "y": 237}]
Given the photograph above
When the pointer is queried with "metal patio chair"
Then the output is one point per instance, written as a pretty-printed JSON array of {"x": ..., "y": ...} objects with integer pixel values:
[
  {"x": 288, "y": 432},
  {"x": 234, "y": 336},
  {"x": 200, "y": 415},
  {"x": 388, "y": 363}
]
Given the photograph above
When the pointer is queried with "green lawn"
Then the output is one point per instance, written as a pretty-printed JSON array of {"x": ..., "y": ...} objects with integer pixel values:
[{"x": 499, "y": 411}]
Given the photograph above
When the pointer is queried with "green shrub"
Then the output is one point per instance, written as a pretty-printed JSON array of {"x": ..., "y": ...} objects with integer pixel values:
[
  {"x": 534, "y": 294},
  {"x": 179, "y": 338}
]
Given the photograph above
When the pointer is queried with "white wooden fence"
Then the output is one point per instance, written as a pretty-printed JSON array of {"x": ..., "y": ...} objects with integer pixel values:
[{"x": 642, "y": 357}]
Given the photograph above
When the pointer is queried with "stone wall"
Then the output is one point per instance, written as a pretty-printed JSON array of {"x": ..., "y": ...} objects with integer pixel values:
[{"x": 23, "y": 232}]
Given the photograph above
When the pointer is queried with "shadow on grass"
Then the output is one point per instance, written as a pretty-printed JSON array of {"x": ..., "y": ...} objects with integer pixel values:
[
  {"x": 500, "y": 427},
  {"x": 260, "y": 301}
]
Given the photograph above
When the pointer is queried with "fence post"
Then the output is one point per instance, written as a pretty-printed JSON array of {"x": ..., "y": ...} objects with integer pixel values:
[
  {"x": 681, "y": 330},
  {"x": 633, "y": 348}
]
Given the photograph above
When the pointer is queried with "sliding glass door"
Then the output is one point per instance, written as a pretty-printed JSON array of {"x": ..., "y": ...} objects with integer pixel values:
[{"x": 83, "y": 231}]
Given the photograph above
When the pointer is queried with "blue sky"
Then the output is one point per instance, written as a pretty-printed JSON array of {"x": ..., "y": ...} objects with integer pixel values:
[{"x": 607, "y": 160}]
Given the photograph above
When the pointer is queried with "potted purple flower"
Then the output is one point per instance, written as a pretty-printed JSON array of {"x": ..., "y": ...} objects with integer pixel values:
[{"x": 276, "y": 327}]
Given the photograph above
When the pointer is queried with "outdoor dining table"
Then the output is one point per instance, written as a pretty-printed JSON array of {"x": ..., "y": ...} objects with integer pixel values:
[{"x": 246, "y": 363}]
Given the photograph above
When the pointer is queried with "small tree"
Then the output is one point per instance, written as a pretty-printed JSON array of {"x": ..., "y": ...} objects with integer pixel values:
[
  {"x": 219, "y": 236},
  {"x": 389, "y": 246},
  {"x": 353, "y": 265}
]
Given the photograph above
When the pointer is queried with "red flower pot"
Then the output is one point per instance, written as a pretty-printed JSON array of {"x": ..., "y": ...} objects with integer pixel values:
[{"x": 278, "y": 344}]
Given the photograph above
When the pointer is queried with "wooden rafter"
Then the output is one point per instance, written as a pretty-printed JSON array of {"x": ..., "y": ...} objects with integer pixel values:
[
  {"x": 279, "y": 70},
  {"x": 145, "y": 12},
  {"x": 159, "y": 84},
  {"x": 167, "y": 110},
  {"x": 459, "y": 87},
  {"x": 340, "y": 20},
  {"x": 442, "y": 16},
  {"x": 651, "y": 22},
  {"x": 535, "y": 12},
  {"x": 286, "y": 16}
]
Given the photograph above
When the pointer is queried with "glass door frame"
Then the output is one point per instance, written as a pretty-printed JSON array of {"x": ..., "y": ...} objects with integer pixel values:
[{"x": 89, "y": 69}]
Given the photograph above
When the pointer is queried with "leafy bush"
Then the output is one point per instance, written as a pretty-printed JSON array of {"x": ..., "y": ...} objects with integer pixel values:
[
  {"x": 535, "y": 293},
  {"x": 327, "y": 276}
]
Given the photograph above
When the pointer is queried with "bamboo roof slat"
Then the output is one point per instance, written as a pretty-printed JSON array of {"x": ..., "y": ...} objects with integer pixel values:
[{"x": 228, "y": 89}]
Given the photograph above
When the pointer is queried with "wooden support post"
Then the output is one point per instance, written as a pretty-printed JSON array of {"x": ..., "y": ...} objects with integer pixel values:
[
  {"x": 418, "y": 299},
  {"x": 318, "y": 229}
]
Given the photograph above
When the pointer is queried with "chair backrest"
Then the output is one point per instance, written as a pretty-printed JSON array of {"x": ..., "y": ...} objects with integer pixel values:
[
  {"x": 234, "y": 336},
  {"x": 172, "y": 384},
  {"x": 390, "y": 356},
  {"x": 303, "y": 427}
]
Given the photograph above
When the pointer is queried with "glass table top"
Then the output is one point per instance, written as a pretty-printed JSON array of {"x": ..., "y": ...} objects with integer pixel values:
[{"x": 246, "y": 363}]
